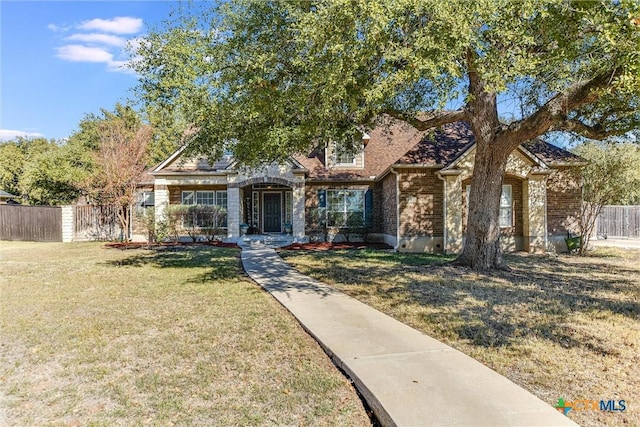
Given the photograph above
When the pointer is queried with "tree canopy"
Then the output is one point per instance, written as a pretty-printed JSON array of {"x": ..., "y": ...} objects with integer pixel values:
[
  {"x": 270, "y": 78},
  {"x": 39, "y": 171},
  {"x": 611, "y": 177}
]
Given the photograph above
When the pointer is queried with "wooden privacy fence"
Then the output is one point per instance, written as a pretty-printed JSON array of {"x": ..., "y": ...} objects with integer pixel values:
[
  {"x": 619, "y": 221},
  {"x": 59, "y": 223},
  {"x": 96, "y": 223},
  {"x": 39, "y": 223}
]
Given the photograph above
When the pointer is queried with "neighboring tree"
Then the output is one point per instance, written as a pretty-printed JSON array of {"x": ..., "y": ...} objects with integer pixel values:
[
  {"x": 89, "y": 135},
  {"x": 120, "y": 162},
  {"x": 169, "y": 132},
  {"x": 611, "y": 177},
  {"x": 11, "y": 165},
  {"x": 271, "y": 78},
  {"x": 39, "y": 171}
]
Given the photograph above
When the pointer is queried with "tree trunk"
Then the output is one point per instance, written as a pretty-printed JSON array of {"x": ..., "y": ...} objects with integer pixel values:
[
  {"x": 482, "y": 239},
  {"x": 124, "y": 218}
]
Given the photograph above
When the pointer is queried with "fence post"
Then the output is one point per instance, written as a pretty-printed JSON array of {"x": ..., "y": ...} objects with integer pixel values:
[{"x": 67, "y": 224}]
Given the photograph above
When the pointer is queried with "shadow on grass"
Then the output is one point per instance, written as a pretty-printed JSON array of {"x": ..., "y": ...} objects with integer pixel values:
[
  {"x": 221, "y": 263},
  {"x": 494, "y": 309}
]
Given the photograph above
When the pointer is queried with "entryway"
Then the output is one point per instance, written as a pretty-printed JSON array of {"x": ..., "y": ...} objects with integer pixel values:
[{"x": 272, "y": 208}]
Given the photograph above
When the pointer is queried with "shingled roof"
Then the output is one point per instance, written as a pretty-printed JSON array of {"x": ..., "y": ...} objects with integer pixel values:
[
  {"x": 440, "y": 147},
  {"x": 400, "y": 144},
  {"x": 393, "y": 143},
  {"x": 550, "y": 154}
]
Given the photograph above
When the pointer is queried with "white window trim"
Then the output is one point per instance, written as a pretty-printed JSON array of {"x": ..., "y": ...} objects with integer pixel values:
[
  {"x": 328, "y": 210},
  {"x": 510, "y": 206},
  {"x": 335, "y": 156},
  {"x": 193, "y": 197}
]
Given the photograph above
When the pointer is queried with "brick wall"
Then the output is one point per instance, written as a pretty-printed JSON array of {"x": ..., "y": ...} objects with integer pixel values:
[
  {"x": 564, "y": 200},
  {"x": 421, "y": 203}
]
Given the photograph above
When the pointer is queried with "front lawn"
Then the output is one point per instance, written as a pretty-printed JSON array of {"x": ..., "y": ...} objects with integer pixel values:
[
  {"x": 94, "y": 336},
  {"x": 559, "y": 326}
]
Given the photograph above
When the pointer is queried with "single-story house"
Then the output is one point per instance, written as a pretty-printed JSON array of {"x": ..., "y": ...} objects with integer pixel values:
[{"x": 409, "y": 188}]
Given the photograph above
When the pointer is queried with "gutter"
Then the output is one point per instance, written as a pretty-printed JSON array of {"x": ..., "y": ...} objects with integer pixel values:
[{"x": 444, "y": 212}]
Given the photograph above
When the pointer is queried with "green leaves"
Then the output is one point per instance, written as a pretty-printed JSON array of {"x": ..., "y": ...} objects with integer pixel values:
[
  {"x": 612, "y": 175},
  {"x": 280, "y": 77}
]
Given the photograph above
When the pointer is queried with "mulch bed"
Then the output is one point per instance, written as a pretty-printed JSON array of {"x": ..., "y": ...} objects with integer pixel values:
[
  {"x": 161, "y": 246},
  {"x": 325, "y": 246}
]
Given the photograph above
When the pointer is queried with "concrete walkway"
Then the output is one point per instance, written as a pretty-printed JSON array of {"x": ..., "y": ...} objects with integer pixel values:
[{"x": 408, "y": 378}]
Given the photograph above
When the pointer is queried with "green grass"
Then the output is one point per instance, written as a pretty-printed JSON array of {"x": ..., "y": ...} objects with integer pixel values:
[
  {"x": 559, "y": 326},
  {"x": 94, "y": 336}
]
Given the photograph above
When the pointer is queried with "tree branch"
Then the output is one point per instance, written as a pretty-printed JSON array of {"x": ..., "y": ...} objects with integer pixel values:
[
  {"x": 553, "y": 114},
  {"x": 424, "y": 121},
  {"x": 591, "y": 132}
]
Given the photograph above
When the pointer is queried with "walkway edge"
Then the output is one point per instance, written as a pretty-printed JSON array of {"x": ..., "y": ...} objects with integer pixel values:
[{"x": 406, "y": 377}]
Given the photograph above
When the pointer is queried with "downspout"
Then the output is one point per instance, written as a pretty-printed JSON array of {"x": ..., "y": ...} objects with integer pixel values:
[
  {"x": 397, "y": 247},
  {"x": 444, "y": 213}
]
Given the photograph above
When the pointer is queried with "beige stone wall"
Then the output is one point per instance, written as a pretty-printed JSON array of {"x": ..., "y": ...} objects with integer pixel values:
[{"x": 518, "y": 206}]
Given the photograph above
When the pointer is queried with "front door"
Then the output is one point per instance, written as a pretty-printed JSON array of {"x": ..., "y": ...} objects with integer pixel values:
[{"x": 272, "y": 206}]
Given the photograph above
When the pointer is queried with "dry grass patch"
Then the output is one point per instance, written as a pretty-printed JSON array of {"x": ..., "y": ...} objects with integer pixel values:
[
  {"x": 559, "y": 326},
  {"x": 94, "y": 336}
]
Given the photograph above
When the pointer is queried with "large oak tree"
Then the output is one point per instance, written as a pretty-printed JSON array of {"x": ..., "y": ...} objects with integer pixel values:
[{"x": 270, "y": 78}]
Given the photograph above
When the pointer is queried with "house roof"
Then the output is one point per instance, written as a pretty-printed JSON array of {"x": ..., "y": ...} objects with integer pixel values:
[
  {"x": 441, "y": 147},
  {"x": 394, "y": 143},
  {"x": 552, "y": 155},
  {"x": 6, "y": 195},
  {"x": 384, "y": 147},
  {"x": 175, "y": 163}
]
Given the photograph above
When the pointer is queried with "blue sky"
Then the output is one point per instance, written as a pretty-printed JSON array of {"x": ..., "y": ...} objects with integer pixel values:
[{"x": 60, "y": 60}]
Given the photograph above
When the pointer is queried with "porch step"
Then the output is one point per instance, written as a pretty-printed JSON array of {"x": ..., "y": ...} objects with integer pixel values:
[{"x": 268, "y": 240}]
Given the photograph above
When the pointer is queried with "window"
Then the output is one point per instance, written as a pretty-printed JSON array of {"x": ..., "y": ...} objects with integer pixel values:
[
  {"x": 345, "y": 208},
  {"x": 506, "y": 206},
  {"x": 221, "y": 199},
  {"x": 343, "y": 156},
  {"x": 188, "y": 198},
  {"x": 210, "y": 198},
  {"x": 205, "y": 197},
  {"x": 288, "y": 207},
  {"x": 255, "y": 209}
]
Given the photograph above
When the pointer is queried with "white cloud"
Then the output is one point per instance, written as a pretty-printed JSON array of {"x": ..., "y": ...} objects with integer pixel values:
[
  {"x": 117, "y": 25},
  {"x": 80, "y": 53},
  {"x": 58, "y": 28},
  {"x": 107, "y": 39},
  {"x": 101, "y": 41},
  {"x": 6, "y": 134}
]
